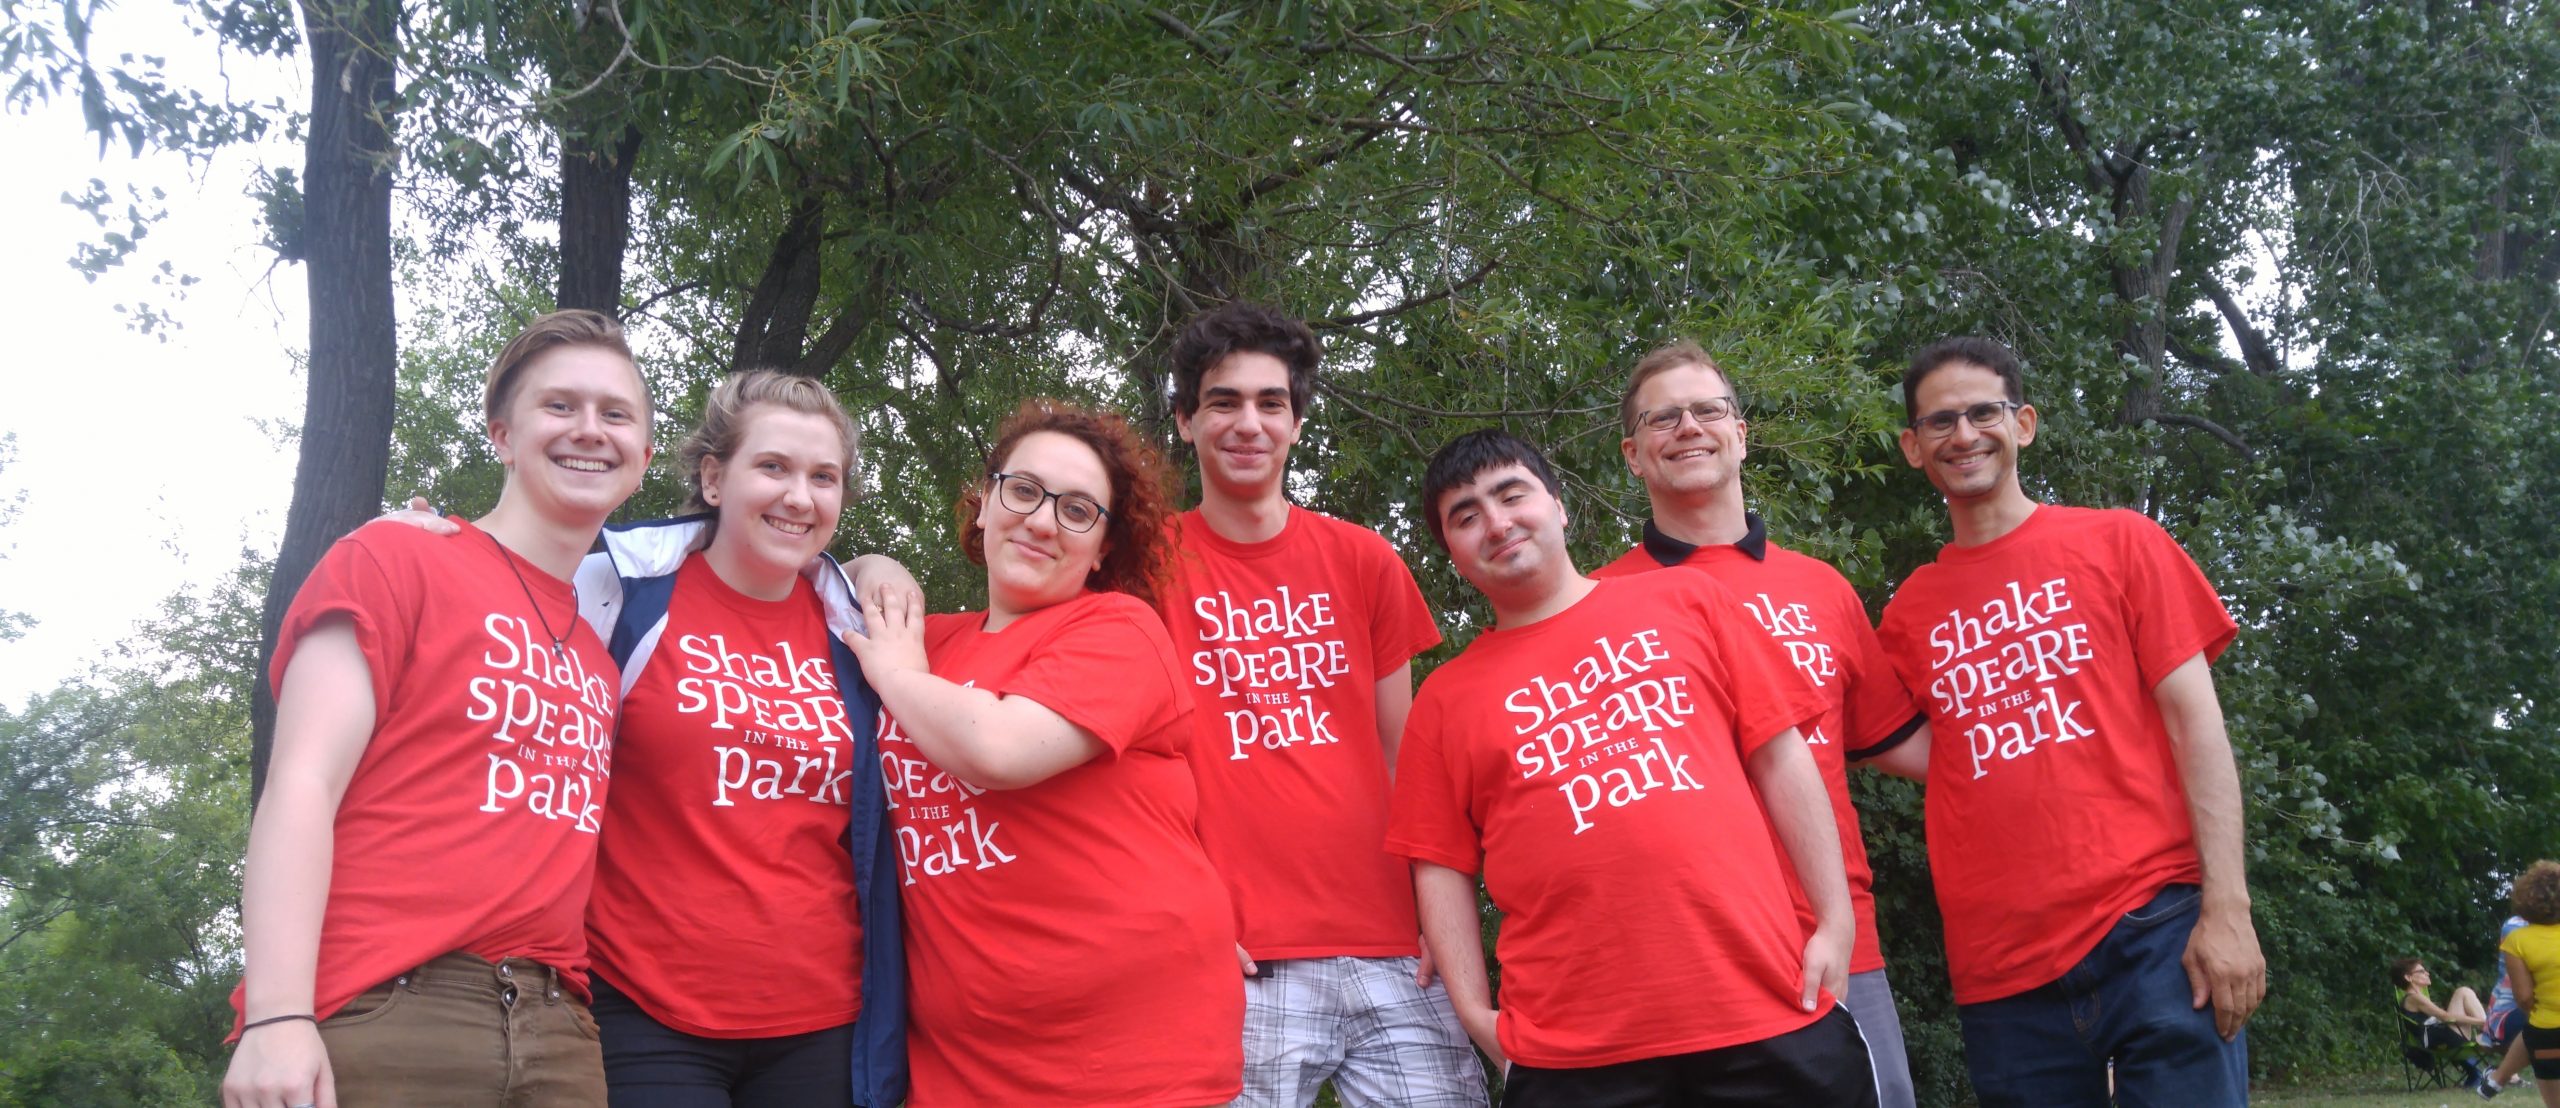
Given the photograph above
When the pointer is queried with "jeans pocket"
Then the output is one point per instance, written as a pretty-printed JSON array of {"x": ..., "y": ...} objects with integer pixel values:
[
  {"x": 368, "y": 1006},
  {"x": 583, "y": 1018},
  {"x": 2169, "y": 904}
]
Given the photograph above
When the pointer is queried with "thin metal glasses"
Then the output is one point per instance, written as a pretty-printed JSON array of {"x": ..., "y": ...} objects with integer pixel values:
[{"x": 1989, "y": 413}]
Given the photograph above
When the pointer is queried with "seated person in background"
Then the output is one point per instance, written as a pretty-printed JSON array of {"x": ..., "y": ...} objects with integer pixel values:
[
  {"x": 2452, "y": 1025},
  {"x": 2456, "y": 1022}
]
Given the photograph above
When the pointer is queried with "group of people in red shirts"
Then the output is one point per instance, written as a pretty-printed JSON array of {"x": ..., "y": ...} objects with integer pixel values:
[{"x": 1167, "y": 823}]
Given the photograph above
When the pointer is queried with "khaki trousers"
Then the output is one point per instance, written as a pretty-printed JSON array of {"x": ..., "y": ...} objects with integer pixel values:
[{"x": 459, "y": 1032}]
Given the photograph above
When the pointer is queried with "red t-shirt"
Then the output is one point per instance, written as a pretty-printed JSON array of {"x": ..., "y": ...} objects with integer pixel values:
[
  {"x": 1817, "y": 618},
  {"x": 1284, "y": 641},
  {"x": 470, "y": 822},
  {"x": 724, "y": 899},
  {"x": 1593, "y": 763},
  {"x": 2054, "y": 800},
  {"x": 1067, "y": 943}
]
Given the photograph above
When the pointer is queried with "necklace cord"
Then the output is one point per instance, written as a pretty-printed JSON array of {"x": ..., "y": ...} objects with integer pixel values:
[{"x": 558, "y": 645}]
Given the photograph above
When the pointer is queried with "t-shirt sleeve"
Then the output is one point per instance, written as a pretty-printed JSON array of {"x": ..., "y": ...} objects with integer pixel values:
[
  {"x": 1768, "y": 693},
  {"x": 1109, "y": 670},
  {"x": 1878, "y": 707},
  {"x": 1429, "y": 817},
  {"x": 2172, "y": 611},
  {"x": 1400, "y": 623},
  {"x": 352, "y": 581}
]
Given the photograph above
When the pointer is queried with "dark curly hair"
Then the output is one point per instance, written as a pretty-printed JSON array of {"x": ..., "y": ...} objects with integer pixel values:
[
  {"x": 1239, "y": 326},
  {"x": 2537, "y": 893},
  {"x": 1137, "y": 557}
]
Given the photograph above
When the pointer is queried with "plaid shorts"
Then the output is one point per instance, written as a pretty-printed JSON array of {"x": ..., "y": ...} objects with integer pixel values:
[{"x": 1361, "y": 1023}]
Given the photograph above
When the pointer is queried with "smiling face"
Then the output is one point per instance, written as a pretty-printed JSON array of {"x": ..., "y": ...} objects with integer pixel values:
[
  {"x": 1032, "y": 561},
  {"x": 574, "y": 435},
  {"x": 1505, "y": 532},
  {"x": 779, "y": 494},
  {"x": 1244, "y": 426},
  {"x": 1968, "y": 462},
  {"x": 1689, "y": 459}
]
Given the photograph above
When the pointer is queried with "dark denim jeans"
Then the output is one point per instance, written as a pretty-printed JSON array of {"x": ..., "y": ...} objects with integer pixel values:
[{"x": 2127, "y": 1002}]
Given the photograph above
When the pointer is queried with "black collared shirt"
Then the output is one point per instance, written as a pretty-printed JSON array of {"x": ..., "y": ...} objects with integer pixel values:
[{"x": 1671, "y": 552}]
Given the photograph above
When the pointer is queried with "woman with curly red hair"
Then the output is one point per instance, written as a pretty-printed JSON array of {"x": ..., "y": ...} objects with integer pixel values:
[
  {"x": 2532, "y": 954},
  {"x": 1073, "y": 945}
]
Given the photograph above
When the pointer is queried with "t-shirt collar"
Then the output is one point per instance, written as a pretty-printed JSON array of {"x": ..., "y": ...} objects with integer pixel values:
[{"x": 1671, "y": 552}]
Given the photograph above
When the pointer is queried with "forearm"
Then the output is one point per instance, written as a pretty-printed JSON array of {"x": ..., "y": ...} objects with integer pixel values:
[
  {"x": 1800, "y": 810},
  {"x": 285, "y": 893},
  {"x": 2210, "y": 776},
  {"x": 986, "y": 740},
  {"x": 1908, "y": 758},
  {"x": 1395, "y": 702},
  {"x": 1445, "y": 899}
]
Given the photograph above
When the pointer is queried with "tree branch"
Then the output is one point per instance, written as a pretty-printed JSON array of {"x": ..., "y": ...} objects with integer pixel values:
[
  {"x": 1357, "y": 318},
  {"x": 2200, "y": 423},
  {"x": 2255, "y": 350}
]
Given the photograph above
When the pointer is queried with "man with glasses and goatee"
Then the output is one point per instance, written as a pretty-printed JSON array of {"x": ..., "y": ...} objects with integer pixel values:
[
  {"x": 2083, "y": 804},
  {"x": 1685, "y": 441}
]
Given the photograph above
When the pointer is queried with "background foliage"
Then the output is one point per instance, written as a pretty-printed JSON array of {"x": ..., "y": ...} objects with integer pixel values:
[{"x": 2285, "y": 276}]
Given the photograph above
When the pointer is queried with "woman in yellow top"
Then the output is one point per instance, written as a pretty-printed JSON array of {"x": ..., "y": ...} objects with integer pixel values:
[{"x": 2532, "y": 953}]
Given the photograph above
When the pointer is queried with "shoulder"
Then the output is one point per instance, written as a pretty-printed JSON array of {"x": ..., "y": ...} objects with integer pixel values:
[
  {"x": 399, "y": 549},
  {"x": 1806, "y": 567},
  {"x": 1632, "y": 563},
  {"x": 1344, "y": 535}
]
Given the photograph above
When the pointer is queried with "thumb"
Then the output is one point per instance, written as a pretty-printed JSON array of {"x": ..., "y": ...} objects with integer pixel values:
[
  {"x": 1809, "y": 985},
  {"x": 2198, "y": 986}
]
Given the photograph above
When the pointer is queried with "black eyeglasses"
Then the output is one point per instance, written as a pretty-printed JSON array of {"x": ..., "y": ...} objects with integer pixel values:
[
  {"x": 1704, "y": 411},
  {"x": 1022, "y": 496},
  {"x": 1989, "y": 413}
]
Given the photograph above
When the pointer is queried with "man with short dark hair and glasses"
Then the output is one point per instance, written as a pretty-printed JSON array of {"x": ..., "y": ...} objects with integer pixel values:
[
  {"x": 2083, "y": 803},
  {"x": 1685, "y": 439}
]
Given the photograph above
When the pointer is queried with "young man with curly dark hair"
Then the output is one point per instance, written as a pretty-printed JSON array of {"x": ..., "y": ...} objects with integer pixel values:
[{"x": 1298, "y": 631}]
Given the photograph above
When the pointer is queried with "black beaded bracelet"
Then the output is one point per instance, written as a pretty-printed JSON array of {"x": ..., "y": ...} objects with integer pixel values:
[{"x": 255, "y": 1024}]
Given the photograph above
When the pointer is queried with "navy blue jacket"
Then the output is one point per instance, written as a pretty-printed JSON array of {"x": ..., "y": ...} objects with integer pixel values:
[{"x": 623, "y": 591}]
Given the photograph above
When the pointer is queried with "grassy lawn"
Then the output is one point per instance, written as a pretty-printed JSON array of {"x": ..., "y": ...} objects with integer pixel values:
[{"x": 2381, "y": 1090}]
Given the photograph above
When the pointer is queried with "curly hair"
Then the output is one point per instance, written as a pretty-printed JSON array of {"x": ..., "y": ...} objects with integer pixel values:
[
  {"x": 2400, "y": 968},
  {"x": 1137, "y": 557},
  {"x": 1243, "y": 327},
  {"x": 2537, "y": 894}
]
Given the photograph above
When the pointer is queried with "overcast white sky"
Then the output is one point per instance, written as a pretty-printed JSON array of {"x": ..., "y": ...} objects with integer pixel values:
[{"x": 144, "y": 464}]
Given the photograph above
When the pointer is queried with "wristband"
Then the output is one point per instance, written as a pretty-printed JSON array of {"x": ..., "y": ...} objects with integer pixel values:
[{"x": 255, "y": 1024}]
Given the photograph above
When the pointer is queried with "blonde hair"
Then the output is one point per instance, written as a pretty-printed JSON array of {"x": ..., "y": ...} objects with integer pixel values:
[
  {"x": 725, "y": 415},
  {"x": 1658, "y": 361},
  {"x": 574, "y": 327}
]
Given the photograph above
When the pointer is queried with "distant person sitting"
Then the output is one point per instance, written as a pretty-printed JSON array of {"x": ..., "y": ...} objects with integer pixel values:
[
  {"x": 2459, "y": 1020},
  {"x": 2455, "y": 1024},
  {"x": 2532, "y": 956}
]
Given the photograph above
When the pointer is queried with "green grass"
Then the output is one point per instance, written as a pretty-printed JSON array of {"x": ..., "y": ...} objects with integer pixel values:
[{"x": 2381, "y": 1090}]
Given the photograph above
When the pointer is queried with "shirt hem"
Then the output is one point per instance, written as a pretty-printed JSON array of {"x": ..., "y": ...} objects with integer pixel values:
[
  {"x": 1367, "y": 950},
  {"x": 1686, "y": 1046}
]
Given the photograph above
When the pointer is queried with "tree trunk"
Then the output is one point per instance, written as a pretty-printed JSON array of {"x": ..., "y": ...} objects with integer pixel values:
[
  {"x": 346, "y": 423},
  {"x": 595, "y": 219}
]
